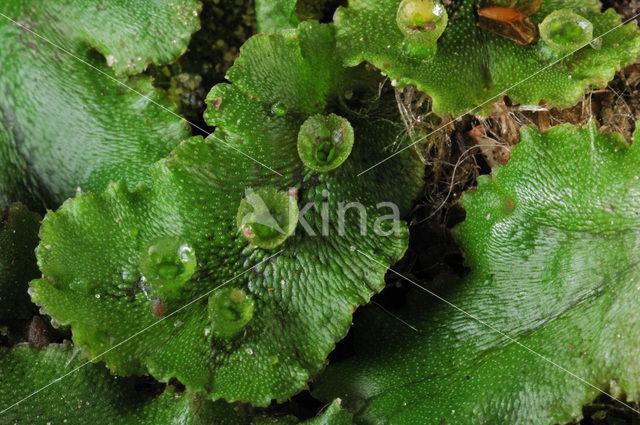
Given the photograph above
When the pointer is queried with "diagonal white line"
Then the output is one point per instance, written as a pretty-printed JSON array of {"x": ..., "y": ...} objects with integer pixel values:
[
  {"x": 136, "y": 334},
  {"x": 398, "y": 318},
  {"x": 136, "y": 92},
  {"x": 499, "y": 332},
  {"x": 496, "y": 97}
]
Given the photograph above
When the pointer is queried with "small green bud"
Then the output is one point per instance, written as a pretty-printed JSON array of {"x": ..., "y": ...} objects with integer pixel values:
[
  {"x": 279, "y": 109},
  {"x": 267, "y": 217},
  {"x": 325, "y": 142},
  {"x": 422, "y": 21},
  {"x": 167, "y": 264},
  {"x": 229, "y": 311},
  {"x": 564, "y": 31}
]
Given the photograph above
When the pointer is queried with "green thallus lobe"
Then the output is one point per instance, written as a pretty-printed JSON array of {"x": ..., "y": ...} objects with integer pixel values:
[
  {"x": 167, "y": 264},
  {"x": 422, "y": 22},
  {"x": 229, "y": 310},
  {"x": 564, "y": 31},
  {"x": 267, "y": 217},
  {"x": 325, "y": 142}
]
